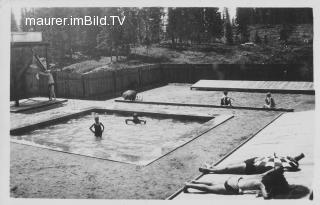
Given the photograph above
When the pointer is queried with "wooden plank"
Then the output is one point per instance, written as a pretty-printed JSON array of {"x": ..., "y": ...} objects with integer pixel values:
[
  {"x": 255, "y": 86},
  {"x": 35, "y": 104}
]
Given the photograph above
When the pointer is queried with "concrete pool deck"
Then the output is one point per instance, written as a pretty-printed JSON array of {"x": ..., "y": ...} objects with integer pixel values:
[
  {"x": 176, "y": 93},
  {"x": 289, "y": 135},
  {"x": 43, "y": 173}
]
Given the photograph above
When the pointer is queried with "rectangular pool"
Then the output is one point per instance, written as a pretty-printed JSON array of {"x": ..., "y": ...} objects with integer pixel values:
[{"x": 135, "y": 144}]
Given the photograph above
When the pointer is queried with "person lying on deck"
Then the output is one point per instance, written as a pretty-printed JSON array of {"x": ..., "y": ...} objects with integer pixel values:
[
  {"x": 269, "y": 102},
  {"x": 98, "y": 127},
  {"x": 135, "y": 119},
  {"x": 255, "y": 165},
  {"x": 225, "y": 100},
  {"x": 267, "y": 184}
]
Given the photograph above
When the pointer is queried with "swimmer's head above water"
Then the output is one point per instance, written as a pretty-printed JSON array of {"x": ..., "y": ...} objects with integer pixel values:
[
  {"x": 96, "y": 119},
  {"x": 135, "y": 115}
]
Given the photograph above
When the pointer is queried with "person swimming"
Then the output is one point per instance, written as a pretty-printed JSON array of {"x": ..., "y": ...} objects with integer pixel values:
[
  {"x": 98, "y": 127},
  {"x": 135, "y": 119}
]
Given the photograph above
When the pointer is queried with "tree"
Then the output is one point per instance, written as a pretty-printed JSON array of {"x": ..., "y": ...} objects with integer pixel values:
[
  {"x": 213, "y": 23},
  {"x": 257, "y": 38},
  {"x": 243, "y": 18},
  {"x": 14, "y": 26},
  {"x": 111, "y": 38},
  {"x": 272, "y": 16},
  {"x": 154, "y": 19},
  {"x": 194, "y": 25},
  {"x": 227, "y": 27},
  {"x": 90, "y": 33}
]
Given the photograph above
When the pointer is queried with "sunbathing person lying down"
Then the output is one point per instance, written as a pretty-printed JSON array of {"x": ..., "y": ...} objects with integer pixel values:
[
  {"x": 267, "y": 184},
  {"x": 255, "y": 165}
]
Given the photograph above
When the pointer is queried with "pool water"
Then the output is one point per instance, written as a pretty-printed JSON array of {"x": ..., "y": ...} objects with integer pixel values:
[{"x": 133, "y": 143}]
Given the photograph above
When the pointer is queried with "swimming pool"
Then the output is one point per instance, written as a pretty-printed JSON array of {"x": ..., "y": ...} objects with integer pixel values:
[{"x": 135, "y": 144}]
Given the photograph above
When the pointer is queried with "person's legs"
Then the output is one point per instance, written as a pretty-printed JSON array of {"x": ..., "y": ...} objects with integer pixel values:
[
  {"x": 49, "y": 92},
  {"x": 215, "y": 188},
  {"x": 266, "y": 106},
  {"x": 201, "y": 182},
  {"x": 238, "y": 168},
  {"x": 53, "y": 94}
]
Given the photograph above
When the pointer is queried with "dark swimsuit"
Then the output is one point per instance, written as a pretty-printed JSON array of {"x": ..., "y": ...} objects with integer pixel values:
[
  {"x": 136, "y": 121},
  {"x": 97, "y": 130},
  {"x": 270, "y": 102},
  {"x": 231, "y": 185},
  {"x": 251, "y": 168},
  {"x": 225, "y": 101}
]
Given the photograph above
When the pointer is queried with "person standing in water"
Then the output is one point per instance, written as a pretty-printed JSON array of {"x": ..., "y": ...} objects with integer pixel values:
[
  {"x": 98, "y": 127},
  {"x": 269, "y": 101},
  {"x": 225, "y": 100},
  {"x": 52, "y": 94}
]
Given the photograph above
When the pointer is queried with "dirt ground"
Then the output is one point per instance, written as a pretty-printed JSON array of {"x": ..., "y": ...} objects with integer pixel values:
[{"x": 42, "y": 173}]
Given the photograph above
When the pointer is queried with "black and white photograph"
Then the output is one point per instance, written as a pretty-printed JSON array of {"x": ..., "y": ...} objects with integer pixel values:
[{"x": 186, "y": 102}]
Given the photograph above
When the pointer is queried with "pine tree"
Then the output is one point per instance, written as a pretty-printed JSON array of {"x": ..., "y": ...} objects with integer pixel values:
[
  {"x": 214, "y": 22},
  {"x": 171, "y": 26},
  {"x": 111, "y": 38},
  {"x": 227, "y": 27},
  {"x": 14, "y": 26},
  {"x": 257, "y": 38},
  {"x": 243, "y": 18}
]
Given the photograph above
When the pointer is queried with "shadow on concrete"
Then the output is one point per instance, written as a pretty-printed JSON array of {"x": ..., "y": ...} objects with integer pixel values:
[{"x": 295, "y": 192}]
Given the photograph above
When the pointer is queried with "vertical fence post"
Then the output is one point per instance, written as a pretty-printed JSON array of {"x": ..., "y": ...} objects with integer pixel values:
[
  {"x": 114, "y": 76},
  {"x": 83, "y": 80},
  {"x": 54, "y": 75},
  {"x": 139, "y": 78}
]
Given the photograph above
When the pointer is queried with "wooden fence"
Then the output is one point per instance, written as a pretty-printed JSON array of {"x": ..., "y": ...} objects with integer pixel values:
[
  {"x": 104, "y": 83},
  {"x": 191, "y": 73},
  {"x": 112, "y": 83}
]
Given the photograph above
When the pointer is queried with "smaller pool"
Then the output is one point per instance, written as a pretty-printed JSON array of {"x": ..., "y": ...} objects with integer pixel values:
[{"x": 137, "y": 144}]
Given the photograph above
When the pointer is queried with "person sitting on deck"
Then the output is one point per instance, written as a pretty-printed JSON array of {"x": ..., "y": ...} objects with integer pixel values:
[
  {"x": 52, "y": 94},
  {"x": 136, "y": 120},
  {"x": 98, "y": 127},
  {"x": 269, "y": 102},
  {"x": 225, "y": 100},
  {"x": 267, "y": 184},
  {"x": 255, "y": 165}
]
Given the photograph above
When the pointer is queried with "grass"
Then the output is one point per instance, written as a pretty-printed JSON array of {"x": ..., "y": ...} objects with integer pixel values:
[
  {"x": 233, "y": 54},
  {"x": 104, "y": 63}
]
